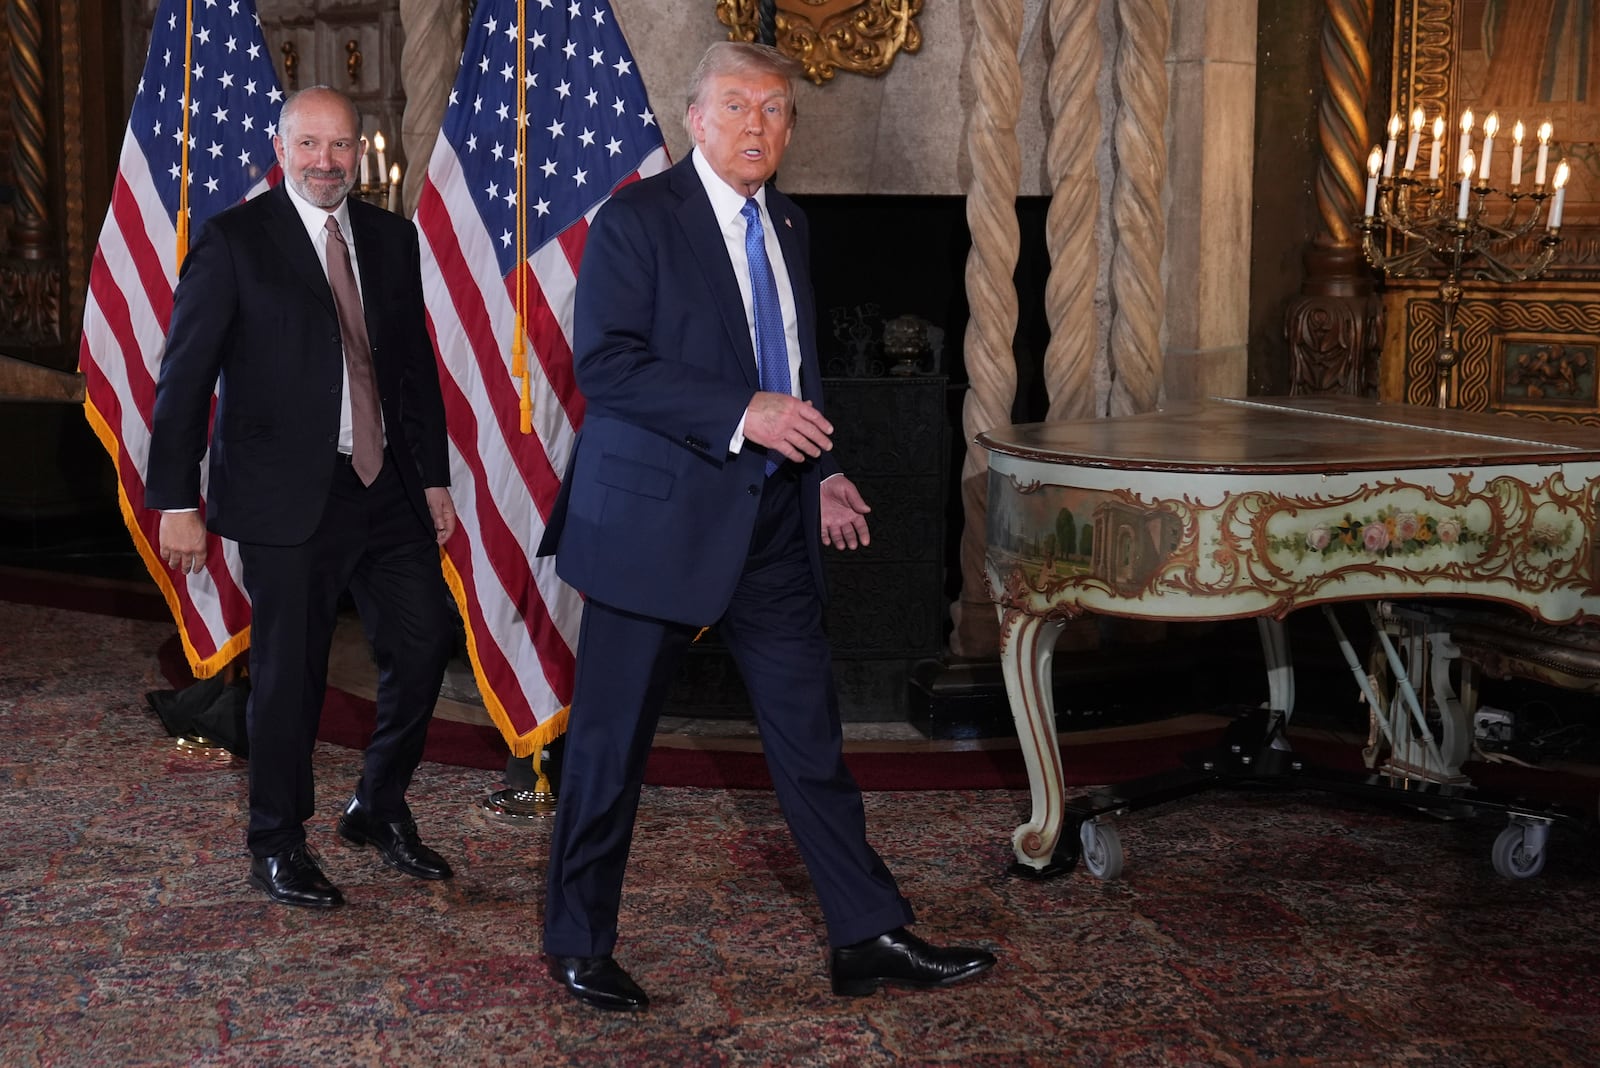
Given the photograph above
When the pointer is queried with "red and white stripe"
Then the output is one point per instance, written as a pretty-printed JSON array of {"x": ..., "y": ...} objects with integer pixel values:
[
  {"x": 125, "y": 322},
  {"x": 521, "y": 619}
]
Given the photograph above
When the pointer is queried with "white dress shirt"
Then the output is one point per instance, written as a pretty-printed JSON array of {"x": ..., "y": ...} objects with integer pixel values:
[
  {"x": 315, "y": 221},
  {"x": 727, "y": 204}
]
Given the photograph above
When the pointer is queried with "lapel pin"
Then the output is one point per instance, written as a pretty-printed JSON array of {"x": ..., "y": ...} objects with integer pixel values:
[{"x": 787, "y": 222}]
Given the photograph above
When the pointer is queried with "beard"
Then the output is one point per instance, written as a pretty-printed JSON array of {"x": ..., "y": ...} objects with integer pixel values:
[{"x": 324, "y": 188}]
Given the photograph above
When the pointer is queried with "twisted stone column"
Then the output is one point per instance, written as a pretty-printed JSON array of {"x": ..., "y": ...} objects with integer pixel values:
[
  {"x": 996, "y": 163},
  {"x": 1140, "y": 75},
  {"x": 30, "y": 227},
  {"x": 1334, "y": 326},
  {"x": 1074, "y": 203},
  {"x": 428, "y": 65}
]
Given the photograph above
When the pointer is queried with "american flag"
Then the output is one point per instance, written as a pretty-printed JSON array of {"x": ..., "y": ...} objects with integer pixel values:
[
  {"x": 208, "y": 87},
  {"x": 588, "y": 129}
]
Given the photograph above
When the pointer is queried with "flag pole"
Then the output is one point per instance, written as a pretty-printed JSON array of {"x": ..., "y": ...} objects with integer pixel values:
[{"x": 183, "y": 142}]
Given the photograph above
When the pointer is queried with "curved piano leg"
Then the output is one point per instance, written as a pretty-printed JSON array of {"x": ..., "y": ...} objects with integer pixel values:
[{"x": 1027, "y": 648}]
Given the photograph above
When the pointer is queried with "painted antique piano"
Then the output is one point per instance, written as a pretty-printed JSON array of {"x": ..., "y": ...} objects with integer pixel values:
[{"x": 1237, "y": 508}]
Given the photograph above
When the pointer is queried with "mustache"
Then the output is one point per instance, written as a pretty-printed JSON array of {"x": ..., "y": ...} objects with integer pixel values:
[{"x": 334, "y": 173}]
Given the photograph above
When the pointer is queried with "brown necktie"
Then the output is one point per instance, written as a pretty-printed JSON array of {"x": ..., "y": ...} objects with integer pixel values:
[{"x": 366, "y": 420}]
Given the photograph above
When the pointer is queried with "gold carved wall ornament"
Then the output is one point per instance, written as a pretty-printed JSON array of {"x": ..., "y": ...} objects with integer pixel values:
[{"x": 827, "y": 35}]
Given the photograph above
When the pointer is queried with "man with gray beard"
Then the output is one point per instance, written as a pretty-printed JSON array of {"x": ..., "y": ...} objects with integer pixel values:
[{"x": 303, "y": 309}]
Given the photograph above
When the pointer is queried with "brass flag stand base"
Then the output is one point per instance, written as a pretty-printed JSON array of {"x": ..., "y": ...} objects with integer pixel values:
[
  {"x": 519, "y": 805},
  {"x": 201, "y": 746}
]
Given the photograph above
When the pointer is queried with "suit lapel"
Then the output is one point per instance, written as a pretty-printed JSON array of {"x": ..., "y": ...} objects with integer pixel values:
[
  {"x": 288, "y": 234},
  {"x": 704, "y": 236}
]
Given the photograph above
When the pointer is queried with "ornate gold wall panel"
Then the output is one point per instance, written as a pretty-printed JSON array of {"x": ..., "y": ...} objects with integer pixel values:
[{"x": 1528, "y": 348}]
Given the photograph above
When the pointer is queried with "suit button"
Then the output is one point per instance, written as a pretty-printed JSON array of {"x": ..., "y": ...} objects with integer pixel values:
[{"x": 754, "y": 491}]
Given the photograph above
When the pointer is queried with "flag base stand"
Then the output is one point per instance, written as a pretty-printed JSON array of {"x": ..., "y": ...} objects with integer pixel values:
[
  {"x": 529, "y": 795},
  {"x": 519, "y": 806},
  {"x": 201, "y": 746}
]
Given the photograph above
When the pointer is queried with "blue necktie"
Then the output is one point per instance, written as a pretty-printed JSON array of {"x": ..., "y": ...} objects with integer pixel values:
[{"x": 772, "y": 355}]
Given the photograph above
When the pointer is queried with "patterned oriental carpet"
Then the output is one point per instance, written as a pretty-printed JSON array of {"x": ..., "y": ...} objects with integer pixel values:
[{"x": 1250, "y": 928}]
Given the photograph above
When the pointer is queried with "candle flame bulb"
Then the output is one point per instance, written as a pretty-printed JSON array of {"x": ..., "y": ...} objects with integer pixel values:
[
  {"x": 1438, "y": 128},
  {"x": 1466, "y": 121},
  {"x": 1375, "y": 161},
  {"x": 1418, "y": 119},
  {"x": 377, "y": 141},
  {"x": 1491, "y": 125},
  {"x": 1563, "y": 172},
  {"x": 1468, "y": 162},
  {"x": 1395, "y": 126},
  {"x": 1545, "y": 130},
  {"x": 1517, "y": 132}
]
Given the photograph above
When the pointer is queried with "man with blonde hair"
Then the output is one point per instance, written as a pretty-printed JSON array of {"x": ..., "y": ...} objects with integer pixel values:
[{"x": 701, "y": 492}]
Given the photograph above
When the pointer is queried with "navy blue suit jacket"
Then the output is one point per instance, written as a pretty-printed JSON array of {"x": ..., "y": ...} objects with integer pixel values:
[
  {"x": 655, "y": 514},
  {"x": 254, "y": 316}
]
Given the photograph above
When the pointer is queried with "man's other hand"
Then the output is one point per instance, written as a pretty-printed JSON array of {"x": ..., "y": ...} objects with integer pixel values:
[
  {"x": 788, "y": 425},
  {"x": 182, "y": 541},
  {"x": 844, "y": 514},
  {"x": 443, "y": 511}
]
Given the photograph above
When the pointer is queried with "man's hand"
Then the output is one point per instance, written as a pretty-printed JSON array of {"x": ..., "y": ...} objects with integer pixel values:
[
  {"x": 788, "y": 425},
  {"x": 844, "y": 514},
  {"x": 182, "y": 541},
  {"x": 443, "y": 511}
]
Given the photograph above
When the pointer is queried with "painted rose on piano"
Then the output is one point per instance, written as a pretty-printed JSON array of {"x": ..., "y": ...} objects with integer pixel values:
[{"x": 1390, "y": 532}]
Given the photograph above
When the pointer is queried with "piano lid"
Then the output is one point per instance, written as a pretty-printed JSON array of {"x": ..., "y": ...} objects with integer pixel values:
[{"x": 1293, "y": 434}]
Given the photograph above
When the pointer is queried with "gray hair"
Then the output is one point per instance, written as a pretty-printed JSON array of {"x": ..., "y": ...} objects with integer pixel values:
[
  {"x": 724, "y": 58},
  {"x": 291, "y": 104}
]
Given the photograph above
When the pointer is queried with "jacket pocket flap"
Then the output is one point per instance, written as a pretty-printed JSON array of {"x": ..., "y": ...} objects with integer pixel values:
[{"x": 621, "y": 473}]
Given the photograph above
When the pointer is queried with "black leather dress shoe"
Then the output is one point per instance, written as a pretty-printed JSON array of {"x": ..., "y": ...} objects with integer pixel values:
[
  {"x": 293, "y": 878},
  {"x": 599, "y": 981},
  {"x": 900, "y": 958},
  {"x": 397, "y": 843}
]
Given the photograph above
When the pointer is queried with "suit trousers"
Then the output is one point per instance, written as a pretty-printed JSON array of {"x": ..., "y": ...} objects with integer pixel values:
[
  {"x": 627, "y": 663},
  {"x": 371, "y": 542}
]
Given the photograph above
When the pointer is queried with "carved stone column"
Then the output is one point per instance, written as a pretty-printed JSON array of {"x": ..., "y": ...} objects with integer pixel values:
[
  {"x": 31, "y": 275},
  {"x": 1334, "y": 327},
  {"x": 996, "y": 163},
  {"x": 1138, "y": 219},
  {"x": 428, "y": 63},
  {"x": 1074, "y": 204}
]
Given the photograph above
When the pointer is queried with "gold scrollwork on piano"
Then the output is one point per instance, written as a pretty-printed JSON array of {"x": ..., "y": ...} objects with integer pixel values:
[{"x": 1522, "y": 539}]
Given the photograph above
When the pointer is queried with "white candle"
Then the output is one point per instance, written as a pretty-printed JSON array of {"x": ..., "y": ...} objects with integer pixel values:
[
  {"x": 1466, "y": 133},
  {"x": 394, "y": 187},
  {"x": 1417, "y": 119},
  {"x": 1374, "y": 164},
  {"x": 1562, "y": 174},
  {"x": 1545, "y": 130},
  {"x": 1434, "y": 159},
  {"x": 378, "y": 143},
  {"x": 365, "y": 167},
  {"x": 1467, "y": 163},
  {"x": 1516, "y": 154},
  {"x": 1395, "y": 126},
  {"x": 1491, "y": 126}
]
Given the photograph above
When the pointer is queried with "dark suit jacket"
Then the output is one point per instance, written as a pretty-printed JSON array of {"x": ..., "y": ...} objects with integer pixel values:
[
  {"x": 253, "y": 314},
  {"x": 655, "y": 515}
]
